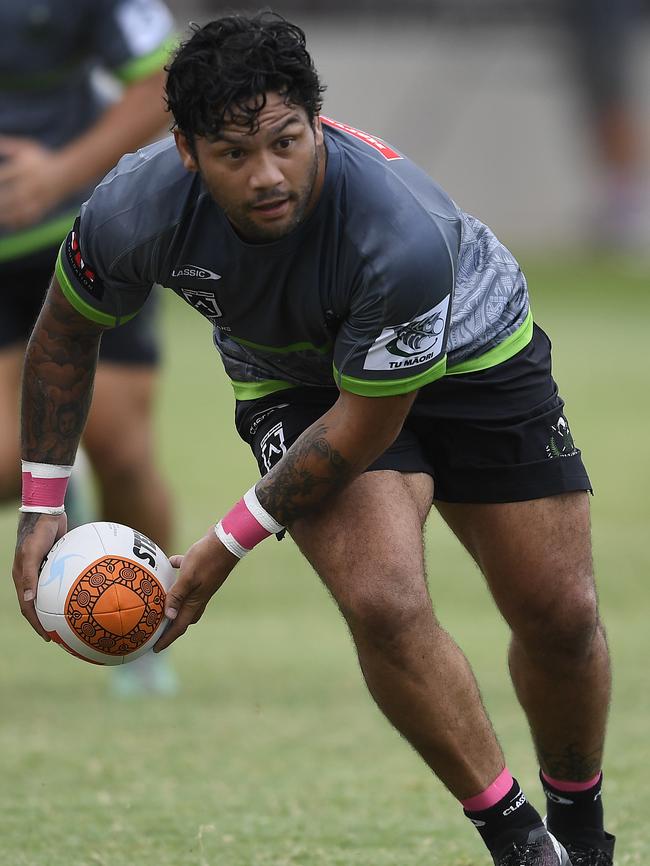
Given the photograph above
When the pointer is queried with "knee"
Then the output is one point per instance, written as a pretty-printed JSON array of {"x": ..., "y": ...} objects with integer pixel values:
[
  {"x": 564, "y": 628},
  {"x": 387, "y": 618},
  {"x": 123, "y": 461}
]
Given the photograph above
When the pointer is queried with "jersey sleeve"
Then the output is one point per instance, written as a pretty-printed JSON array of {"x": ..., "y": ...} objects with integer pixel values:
[
  {"x": 394, "y": 337},
  {"x": 133, "y": 38},
  {"x": 98, "y": 274}
]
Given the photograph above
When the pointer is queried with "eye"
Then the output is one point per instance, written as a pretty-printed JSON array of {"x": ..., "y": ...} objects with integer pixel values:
[
  {"x": 285, "y": 143},
  {"x": 234, "y": 154}
]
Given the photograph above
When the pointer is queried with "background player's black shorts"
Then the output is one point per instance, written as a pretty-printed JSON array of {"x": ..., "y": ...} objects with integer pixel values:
[
  {"x": 499, "y": 435},
  {"x": 23, "y": 283}
]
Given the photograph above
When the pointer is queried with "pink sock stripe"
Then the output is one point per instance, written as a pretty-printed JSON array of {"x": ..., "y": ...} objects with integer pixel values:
[
  {"x": 563, "y": 785},
  {"x": 43, "y": 492},
  {"x": 492, "y": 794},
  {"x": 243, "y": 526}
]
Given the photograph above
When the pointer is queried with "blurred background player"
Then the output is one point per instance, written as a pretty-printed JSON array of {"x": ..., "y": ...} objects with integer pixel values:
[
  {"x": 603, "y": 42},
  {"x": 62, "y": 126}
]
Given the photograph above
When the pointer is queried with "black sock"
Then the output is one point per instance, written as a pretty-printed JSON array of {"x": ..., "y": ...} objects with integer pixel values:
[
  {"x": 574, "y": 816},
  {"x": 510, "y": 820}
]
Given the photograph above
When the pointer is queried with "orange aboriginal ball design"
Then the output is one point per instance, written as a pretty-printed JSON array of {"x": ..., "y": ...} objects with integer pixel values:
[{"x": 115, "y": 606}]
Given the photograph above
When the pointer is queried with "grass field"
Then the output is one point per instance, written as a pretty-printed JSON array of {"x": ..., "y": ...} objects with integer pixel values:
[{"x": 272, "y": 754}]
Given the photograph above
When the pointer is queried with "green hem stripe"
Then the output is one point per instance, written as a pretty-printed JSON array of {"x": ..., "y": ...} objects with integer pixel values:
[
  {"x": 82, "y": 306},
  {"x": 509, "y": 347},
  {"x": 283, "y": 350},
  {"x": 255, "y": 390},
  {"x": 143, "y": 66},
  {"x": 383, "y": 388},
  {"x": 38, "y": 238}
]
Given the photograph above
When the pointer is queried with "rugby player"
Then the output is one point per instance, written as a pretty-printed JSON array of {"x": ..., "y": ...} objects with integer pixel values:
[{"x": 383, "y": 358}]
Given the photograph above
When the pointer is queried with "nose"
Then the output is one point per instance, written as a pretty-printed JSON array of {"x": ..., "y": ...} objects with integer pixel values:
[{"x": 265, "y": 173}]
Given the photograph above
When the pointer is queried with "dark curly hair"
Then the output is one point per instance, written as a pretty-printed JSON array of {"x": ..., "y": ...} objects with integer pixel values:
[{"x": 222, "y": 73}]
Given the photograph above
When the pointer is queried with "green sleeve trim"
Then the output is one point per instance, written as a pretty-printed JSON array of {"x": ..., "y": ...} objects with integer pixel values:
[
  {"x": 282, "y": 350},
  {"x": 39, "y": 238},
  {"x": 82, "y": 306},
  {"x": 509, "y": 347},
  {"x": 141, "y": 67},
  {"x": 255, "y": 390},
  {"x": 366, "y": 388}
]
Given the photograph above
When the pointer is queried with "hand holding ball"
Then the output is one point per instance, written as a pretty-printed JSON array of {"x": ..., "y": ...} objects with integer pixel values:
[{"x": 101, "y": 593}]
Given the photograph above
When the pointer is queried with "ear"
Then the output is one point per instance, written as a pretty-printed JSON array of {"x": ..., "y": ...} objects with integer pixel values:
[
  {"x": 318, "y": 131},
  {"x": 185, "y": 151}
]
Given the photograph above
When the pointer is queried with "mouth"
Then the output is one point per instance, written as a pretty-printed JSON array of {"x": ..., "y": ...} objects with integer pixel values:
[{"x": 272, "y": 209}]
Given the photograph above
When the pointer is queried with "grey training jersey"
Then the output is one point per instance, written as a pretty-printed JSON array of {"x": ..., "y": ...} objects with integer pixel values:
[
  {"x": 49, "y": 52},
  {"x": 385, "y": 286}
]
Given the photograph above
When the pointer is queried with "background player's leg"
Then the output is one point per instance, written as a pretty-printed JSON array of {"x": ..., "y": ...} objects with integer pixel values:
[
  {"x": 367, "y": 548},
  {"x": 11, "y": 363},
  {"x": 119, "y": 442},
  {"x": 536, "y": 557}
]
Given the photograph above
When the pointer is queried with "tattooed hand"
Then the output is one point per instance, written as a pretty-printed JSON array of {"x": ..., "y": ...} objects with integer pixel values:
[{"x": 37, "y": 533}]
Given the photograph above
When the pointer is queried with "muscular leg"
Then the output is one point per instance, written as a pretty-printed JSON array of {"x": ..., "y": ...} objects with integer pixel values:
[
  {"x": 536, "y": 557},
  {"x": 120, "y": 445},
  {"x": 367, "y": 548},
  {"x": 11, "y": 363}
]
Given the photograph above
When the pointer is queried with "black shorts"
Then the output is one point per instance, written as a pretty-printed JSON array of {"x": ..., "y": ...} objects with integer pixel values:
[
  {"x": 498, "y": 435},
  {"x": 23, "y": 283}
]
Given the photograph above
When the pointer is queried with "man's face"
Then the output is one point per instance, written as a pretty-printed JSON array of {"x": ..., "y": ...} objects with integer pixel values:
[{"x": 265, "y": 182}]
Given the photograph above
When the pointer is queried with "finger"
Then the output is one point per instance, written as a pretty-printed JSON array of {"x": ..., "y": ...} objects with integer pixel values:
[
  {"x": 176, "y": 560},
  {"x": 176, "y": 597},
  {"x": 26, "y": 592},
  {"x": 175, "y": 629}
]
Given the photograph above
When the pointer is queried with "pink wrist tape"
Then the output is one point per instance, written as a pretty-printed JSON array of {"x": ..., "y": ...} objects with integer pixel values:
[
  {"x": 246, "y": 524},
  {"x": 44, "y": 486},
  {"x": 492, "y": 794}
]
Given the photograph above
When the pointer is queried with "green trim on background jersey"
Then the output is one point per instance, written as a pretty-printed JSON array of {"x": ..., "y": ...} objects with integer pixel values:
[
  {"x": 282, "y": 350},
  {"x": 141, "y": 67},
  {"x": 31, "y": 240},
  {"x": 383, "y": 388},
  {"x": 255, "y": 390},
  {"x": 82, "y": 306},
  {"x": 505, "y": 350}
]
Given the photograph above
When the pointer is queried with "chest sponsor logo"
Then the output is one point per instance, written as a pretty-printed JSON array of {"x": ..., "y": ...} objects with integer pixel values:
[
  {"x": 204, "y": 303},
  {"x": 195, "y": 272},
  {"x": 411, "y": 343},
  {"x": 371, "y": 140}
]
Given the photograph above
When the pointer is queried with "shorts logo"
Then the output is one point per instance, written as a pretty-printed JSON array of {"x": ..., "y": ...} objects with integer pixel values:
[
  {"x": 272, "y": 446},
  {"x": 203, "y": 302},
  {"x": 257, "y": 419},
  {"x": 85, "y": 276},
  {"x": 195, "y": 272},
  {"x": 561, "y": 443},
  {"x": 411, "y": 343}
]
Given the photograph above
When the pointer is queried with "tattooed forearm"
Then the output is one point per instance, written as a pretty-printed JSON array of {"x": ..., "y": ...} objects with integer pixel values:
[
  {"x": 309, "y": 472},
  {"x": 572, "y": 763},
  {"x": 57, "y": 381}
]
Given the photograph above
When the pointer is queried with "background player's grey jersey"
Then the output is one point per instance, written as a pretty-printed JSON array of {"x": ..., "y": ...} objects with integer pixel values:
[
  {"x": 384, "y": 286},
  {"x": 48, "y": 53}
]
